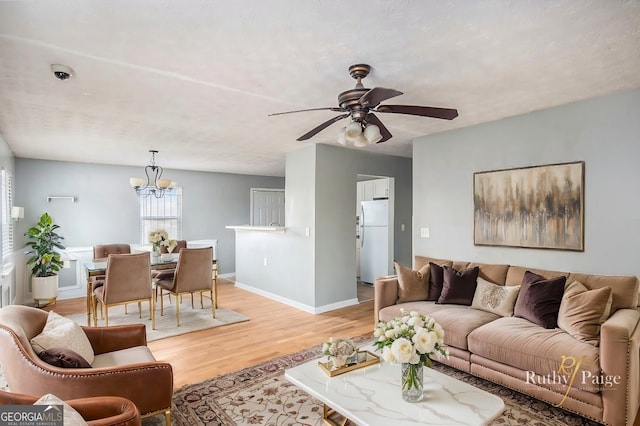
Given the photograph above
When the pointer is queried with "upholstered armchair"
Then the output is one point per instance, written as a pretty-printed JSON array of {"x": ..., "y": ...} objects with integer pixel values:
[
  {"x": 193, "y": 274},
  {"x": 96, "y": 411},
  {"x": 123, "y": 365}
]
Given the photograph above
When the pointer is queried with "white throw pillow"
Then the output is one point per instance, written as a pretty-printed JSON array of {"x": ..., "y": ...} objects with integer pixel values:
[
  {"x": 70, "y": 417},
  {"x": 498, "y": 299},
  {"x": 61, "y": 332}
]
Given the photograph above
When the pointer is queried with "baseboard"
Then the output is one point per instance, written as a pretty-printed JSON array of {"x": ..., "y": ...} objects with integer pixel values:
[{"x": 303, "y": 307}]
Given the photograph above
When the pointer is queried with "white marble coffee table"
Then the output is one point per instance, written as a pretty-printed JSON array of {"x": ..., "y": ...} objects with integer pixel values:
[{"x": 372, "y": 396}]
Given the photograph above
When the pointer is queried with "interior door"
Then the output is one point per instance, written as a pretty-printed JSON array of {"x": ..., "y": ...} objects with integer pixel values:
[{"x": 267, "y": 207}]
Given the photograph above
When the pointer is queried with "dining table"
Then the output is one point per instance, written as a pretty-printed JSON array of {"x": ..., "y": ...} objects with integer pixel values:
[{"x": 98, "y": 267}]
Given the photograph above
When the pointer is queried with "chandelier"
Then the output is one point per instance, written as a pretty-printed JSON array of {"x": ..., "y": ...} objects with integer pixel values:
[{"x": 155, "y": 184}]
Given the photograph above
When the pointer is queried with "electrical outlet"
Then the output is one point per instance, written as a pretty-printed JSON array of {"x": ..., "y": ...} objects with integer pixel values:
[{"x": 424, "y": 232}]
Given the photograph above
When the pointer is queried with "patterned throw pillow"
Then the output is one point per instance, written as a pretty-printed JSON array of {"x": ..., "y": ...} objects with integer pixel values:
[{"x": 494, "y": 298}]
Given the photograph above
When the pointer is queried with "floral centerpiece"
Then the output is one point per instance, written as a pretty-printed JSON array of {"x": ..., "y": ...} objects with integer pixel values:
[
  {"x": 410, "y": 339},
  {"x": 340, "y": 351},
  {"x": 156, "y": 238},
  {"x": 170, "y": 245}
]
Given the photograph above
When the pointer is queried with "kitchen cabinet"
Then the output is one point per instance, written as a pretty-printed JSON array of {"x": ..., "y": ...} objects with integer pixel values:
[{"x": 380, "y": 188}]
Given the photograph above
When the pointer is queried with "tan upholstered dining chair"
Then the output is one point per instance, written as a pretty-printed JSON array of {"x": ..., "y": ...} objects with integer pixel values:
[
  {"x": 102, "y": 252},
  {"x": 193, "y": 274},
  {"x": 127, "y": 280}
]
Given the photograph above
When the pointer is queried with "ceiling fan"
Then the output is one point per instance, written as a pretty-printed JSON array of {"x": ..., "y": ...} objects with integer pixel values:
[{"x": 360, "y": 104}]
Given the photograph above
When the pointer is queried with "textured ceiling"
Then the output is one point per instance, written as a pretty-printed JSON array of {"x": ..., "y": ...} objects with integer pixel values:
[{"x": 196, "y": 79}]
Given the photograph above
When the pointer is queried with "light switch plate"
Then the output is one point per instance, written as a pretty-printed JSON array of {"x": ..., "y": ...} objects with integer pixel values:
[{"x": 424, "y": 232}]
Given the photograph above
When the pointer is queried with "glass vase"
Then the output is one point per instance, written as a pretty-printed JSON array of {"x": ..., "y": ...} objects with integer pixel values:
[{"x": 412, "y": 382}]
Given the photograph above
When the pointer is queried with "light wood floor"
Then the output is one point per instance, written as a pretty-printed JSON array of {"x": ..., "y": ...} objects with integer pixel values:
[{"x": 274, "y": 329}]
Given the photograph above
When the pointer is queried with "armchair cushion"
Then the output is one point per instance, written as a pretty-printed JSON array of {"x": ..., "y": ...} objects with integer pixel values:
[
  {"x": 70, "y": 417},
  {"x": 61, "y": 332},
  {"x": 64, "y": 358}
]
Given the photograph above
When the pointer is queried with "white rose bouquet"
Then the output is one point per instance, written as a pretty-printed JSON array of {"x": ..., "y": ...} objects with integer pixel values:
[
  {"x": 170, "y": 244},
  {"x": 158, "y": 237},
  {"x": 410, "y": 338}
]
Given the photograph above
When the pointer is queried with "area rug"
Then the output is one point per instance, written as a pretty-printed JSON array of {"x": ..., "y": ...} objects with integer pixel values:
[
  {"x": 260, "y": 395},
  {"x": 190, "y": 319}
]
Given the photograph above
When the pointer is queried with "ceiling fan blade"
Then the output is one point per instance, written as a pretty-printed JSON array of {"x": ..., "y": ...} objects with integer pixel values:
[
  {"x": 337, "y": 109},
  {"x": 444, "y": 113},
  {"x": 386, "y": 134},
  {"x": 321, "y": 127},
  {"x": 376, "y": 95}
]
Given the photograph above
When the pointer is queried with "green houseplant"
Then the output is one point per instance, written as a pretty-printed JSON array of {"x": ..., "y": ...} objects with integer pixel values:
[{"x": 44, "y": 262}]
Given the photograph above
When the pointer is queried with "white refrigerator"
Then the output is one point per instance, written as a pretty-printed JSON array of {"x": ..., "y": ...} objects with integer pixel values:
[{"x": 376, "y": 245}]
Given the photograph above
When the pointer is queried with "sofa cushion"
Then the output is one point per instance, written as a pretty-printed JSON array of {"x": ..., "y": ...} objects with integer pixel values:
[
  {"x": 412, "y": 285},
  {"x": 458, "y": 321},
  {"x": 498, "y": 299},
  {"x": 393, "y": 311},
  {"x": 515, "y": 274},
  {"x": 134, "y": 355},
  {"x": 582, "y": 311},
  {"x": 520, "y": 344},
  {"x": 64, "y": 358},
  {"x": 539, "y": 299},
  {"x": 492, "y": 273},
  {"x": 458, "y": 287},
  {"x": 61, "y": 332},
  {"x": 624, "y": 289}
]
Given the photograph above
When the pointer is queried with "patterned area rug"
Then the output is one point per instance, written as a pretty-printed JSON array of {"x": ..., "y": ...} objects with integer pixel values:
[{"x": 260, "y": 395}]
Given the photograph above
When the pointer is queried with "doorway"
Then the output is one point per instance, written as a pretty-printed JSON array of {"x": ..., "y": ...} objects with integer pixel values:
[
  {"x": 374, "y": 227},
  {"x": 267, "y": 207}
]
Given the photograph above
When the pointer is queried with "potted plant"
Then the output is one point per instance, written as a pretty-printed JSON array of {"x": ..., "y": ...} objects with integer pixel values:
[{"x": 45, "y": 260}]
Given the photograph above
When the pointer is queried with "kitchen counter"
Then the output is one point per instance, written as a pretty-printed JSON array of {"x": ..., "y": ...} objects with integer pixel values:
[{"x": 257, "y": 228}]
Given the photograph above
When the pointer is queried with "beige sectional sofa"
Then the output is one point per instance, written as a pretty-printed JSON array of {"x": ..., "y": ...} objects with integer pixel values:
[{"x": 600, "y": 381}]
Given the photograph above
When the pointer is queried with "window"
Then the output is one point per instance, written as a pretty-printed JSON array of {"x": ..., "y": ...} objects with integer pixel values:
[
  {"x": 161, "y": 213},
  {"x": 5, "y": 212}
]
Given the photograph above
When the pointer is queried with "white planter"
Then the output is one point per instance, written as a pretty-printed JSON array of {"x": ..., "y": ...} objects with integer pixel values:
[{"x": 44, "y": 288}]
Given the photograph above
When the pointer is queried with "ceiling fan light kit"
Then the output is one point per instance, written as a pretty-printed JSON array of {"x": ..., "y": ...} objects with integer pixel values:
[
  {"x": 353, "y": 130},
  {"x": 360, "y": 104}
]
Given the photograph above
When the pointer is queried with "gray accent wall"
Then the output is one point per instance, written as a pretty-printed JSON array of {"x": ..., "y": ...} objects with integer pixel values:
[
  {"x": 318, "y": 272},
  {"x": 107, "y": 208},
  {"x": 603, "y": 132}
]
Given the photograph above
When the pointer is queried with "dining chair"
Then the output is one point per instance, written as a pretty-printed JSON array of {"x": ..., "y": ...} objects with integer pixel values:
[
  {"x": 127, "y": 280},
  {"x": 192, "y": 275},
  {"x": 102, "y": 251}
]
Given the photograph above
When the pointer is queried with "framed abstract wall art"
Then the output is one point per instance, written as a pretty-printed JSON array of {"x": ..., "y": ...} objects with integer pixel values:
[{"x": 533, "y": 207}]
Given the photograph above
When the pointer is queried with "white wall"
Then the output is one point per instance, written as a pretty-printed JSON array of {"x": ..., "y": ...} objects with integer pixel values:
[{"x": 603, "y": 132}]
